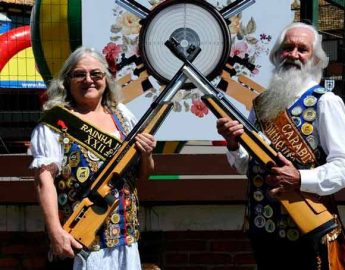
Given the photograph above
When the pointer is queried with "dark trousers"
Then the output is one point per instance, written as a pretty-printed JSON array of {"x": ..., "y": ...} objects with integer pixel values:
[{"x": 273, "y": 254}]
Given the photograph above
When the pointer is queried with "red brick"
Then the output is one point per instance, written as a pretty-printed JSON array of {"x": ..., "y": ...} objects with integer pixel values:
[
  {"x": 8, "y": 263},
  {"x": 186, "y": 268},
  {"x": 210, "y": 258},
  {"x": 189, "y": 245},
  {"x": 244, "y": 258},
  {"x": 34, "y": 263},
  {"x": 206, "y": 235},
  {"x": 230, "y": 246},
  {"x": 176, "y": 258}
]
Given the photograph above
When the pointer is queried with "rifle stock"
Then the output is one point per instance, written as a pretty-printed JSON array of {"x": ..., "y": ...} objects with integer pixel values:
[
  {"x": 311, "y": 216},
  {"x": 98, "y": 202},
  {"x": 92, "y": 211}
]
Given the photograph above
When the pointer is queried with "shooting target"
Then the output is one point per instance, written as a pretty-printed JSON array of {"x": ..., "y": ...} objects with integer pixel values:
[{"x": 195, "y": 23}]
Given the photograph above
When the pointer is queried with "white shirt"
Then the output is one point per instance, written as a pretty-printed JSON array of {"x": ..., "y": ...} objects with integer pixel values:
[
  {"x": 330, "y": 129},
  {"x": 47, "y": 149}
]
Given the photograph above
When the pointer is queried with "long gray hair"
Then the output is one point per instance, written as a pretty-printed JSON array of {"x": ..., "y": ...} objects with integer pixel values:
[
  {"x": 318, "y": 52},
  {"x": 58, "y": 91}
]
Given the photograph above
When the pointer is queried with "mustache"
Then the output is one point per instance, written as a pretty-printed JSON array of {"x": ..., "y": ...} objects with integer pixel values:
[{"x": 289, "y": 62}]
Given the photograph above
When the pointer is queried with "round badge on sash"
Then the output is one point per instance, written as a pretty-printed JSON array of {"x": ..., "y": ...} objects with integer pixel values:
[
  {"x": 258, "y": 209},
  {"x": 309, "y": 101},
  {"x": 320, "y": 90},
  {"x": 74, "y": 159},
  {"x": 296, "y": 111},
  {"x": 61, "y": 185},
  {"x": 83, "y": 174},
  {"x": 259, "y": 221},
  {"x": 297, "y": 120},
  {"x": 62, "y": 199},
  {"x": 258, "y": 180},
  {"x": 66, "y": 171},
  {"x": 92, "y": 156},
  {"x": 270, "y": 226},
  {"x": 307, "y": 129},
  {"x": 115, "y": 218},
  {"x": 313, "y": 141},
  {"x": 258, "y": 195},
  {"x": 292, "y": 234},
  {"x": 268, "y": 211},
  {"x": 309, "y": 114},
  {"x": 282, "y": 233}
]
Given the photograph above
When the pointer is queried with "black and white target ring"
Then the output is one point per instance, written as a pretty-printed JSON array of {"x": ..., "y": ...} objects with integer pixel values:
[{"x": 191, "y": 22}]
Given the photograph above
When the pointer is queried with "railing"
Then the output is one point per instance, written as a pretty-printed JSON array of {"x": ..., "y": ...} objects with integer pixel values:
[{"x": 178, "y": 179}]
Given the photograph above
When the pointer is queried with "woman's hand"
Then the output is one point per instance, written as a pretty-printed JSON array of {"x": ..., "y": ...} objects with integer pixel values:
[
  {"x": 145, "y": 143},
  {"x": 62, "y": 243}
]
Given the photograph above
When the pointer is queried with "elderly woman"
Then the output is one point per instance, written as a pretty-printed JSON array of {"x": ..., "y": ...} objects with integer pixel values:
[{"x": 82, "y": 124}]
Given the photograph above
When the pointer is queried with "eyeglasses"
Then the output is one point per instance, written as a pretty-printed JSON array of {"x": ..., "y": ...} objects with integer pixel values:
[{"x": 80, "y": 75}]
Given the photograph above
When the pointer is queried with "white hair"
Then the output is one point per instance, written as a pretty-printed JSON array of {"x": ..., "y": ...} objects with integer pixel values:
[
  {"x": 318, "y": 52},
  {"x": 59, "y": 93}
]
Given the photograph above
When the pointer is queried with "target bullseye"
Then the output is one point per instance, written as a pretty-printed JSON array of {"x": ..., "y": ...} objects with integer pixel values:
[{"x": 195, "y": 23}]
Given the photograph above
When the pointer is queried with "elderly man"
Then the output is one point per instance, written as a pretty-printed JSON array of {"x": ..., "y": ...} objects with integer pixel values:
[{"x": 293, "y": 96}]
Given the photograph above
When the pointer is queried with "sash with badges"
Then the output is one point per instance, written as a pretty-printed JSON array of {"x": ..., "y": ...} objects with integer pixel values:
[
  {"x": 291, "y": 133},
  {"x": 73, "y": 128}
]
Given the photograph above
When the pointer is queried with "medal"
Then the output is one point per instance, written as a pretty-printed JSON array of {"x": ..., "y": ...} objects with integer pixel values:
[
  {"x": 270, "y": 226},
  {"x": 92, "y": 156},
  {"x": 74, "y": 159},
  {"x": 66, "y": 171},
  {"x": 296, "y": 111},
  {"x": 83, "y": 174},
  {"x": 297, "y": 120},
  {"x": 115, "y": 218},
  {"x": 310, "y": 101},
  {"x": 258, "y": 181},
  {"x": 309, "y": 114},
  {"x": 313, "y": 142},
  {"x": 259, "y": 221},
  {"x": 307, "y": 128},
  {"x": 292, "y": 234},
  {"x": 320, "y": 90},
  {"x": 258, "y": 209},
  {"x": 62, "y": 199},
  {"x": 258, "y": 195},
  {"x": 268, "y": 211}
]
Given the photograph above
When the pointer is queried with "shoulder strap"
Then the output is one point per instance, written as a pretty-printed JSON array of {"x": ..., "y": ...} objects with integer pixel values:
[{"x": 63, "y": 121}]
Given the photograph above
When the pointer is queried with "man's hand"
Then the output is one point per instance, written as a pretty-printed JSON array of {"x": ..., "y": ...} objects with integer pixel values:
[
  {"x": 230, "y": 130},
  {"x": 283, "y": 177}
]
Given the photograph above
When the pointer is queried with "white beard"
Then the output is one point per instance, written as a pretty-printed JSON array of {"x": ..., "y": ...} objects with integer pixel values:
[{"x": 286, "y": 83}]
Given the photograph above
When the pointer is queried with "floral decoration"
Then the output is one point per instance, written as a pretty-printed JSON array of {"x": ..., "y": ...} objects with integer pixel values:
[{"x": 246, "y": 43}]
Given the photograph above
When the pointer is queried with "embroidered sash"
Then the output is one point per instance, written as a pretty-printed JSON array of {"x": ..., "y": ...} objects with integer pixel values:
[
  {"x": 286, "y": 138},
  {"x": 61, "y": 120}
]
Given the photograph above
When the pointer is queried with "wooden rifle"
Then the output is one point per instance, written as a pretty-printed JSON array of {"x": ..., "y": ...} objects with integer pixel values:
[
  {"x": 310, "y": 215},
  {"x": 98, "y": 202}
]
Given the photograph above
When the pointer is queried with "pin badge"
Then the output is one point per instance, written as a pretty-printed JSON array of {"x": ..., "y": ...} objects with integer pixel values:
[
  {"x": 259, "y": 221},
  {"x": 83, "y": 174},
  {"x": 310, "y": 101},
  {"x": 297, "y": 121},
  {"x": 307, "y": 129},
  {"x": 309, "y": 114},
  {"x": 296, "y": 111},
  {"x": 268, "y": 211},
  {"x": 313, "y": 141},
  {"x": 270, "y": 226},
  {"x": 258, "y": 195}
]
